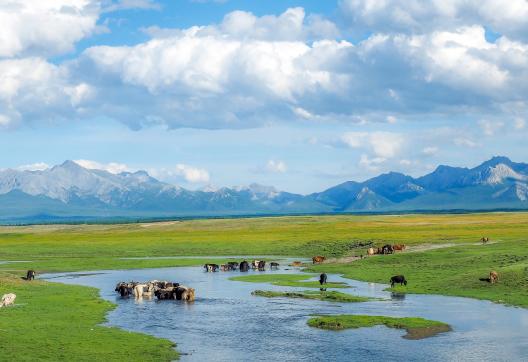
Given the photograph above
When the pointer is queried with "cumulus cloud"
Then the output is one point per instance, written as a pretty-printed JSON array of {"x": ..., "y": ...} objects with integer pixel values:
[
  {"x": 419, "y": 16},
  {"x": 182, "y": 172},
  {"x": 276, "y": 166},
  {"x": 112, "y": 167}
]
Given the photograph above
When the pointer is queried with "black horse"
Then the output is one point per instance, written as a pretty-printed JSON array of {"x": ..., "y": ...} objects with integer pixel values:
[
  {"x": 261, "y": 265},
  {"x": 244, "y": 266},
  {"x": 274, "y": 265},
  {"x": 30, "y": 275},
  {"x": 398, "y": 279},
  {"x": 322, "y": 279},
  {"x": 387, "y": 249}
]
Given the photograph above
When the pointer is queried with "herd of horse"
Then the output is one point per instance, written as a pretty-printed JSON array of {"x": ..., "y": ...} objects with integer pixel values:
[
  {"x": 160, "y": 289},
  {"x": 386, "y": 249}
]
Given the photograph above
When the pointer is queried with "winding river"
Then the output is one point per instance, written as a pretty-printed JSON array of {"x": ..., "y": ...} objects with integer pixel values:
[{"x": 227, "y": 323}]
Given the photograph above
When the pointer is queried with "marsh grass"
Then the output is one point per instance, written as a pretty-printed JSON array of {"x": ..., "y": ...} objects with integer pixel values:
[{"x": 288, "y": 280}]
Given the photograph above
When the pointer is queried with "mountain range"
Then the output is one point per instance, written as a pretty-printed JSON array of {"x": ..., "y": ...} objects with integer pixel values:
[{"x": 69, "y": 191}]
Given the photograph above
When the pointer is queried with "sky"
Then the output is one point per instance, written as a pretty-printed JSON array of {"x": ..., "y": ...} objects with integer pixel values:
[{"x": 301, "y": 95}]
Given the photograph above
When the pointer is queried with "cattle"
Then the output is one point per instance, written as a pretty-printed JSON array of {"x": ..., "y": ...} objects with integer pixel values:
[
  {"x": 232, "y": 265},
  {"x": 124, "y": 289},
  {"x": 318, "y": 259},
  {"x": 398, "y": 279},
  {"x": 371, "y": 251},
  {"x": 30, "y": 275},
  {"x": 261, "y": 265},
  {"x": 387, "y": 249},
  {"x": 211, "y": 267},
  {"x": 7, "y": 300},
  {"x": 484, "y": 240},
  {"x": 185, "y": 293},
  {"x": 398, "y": 247},
  {"x": 296, "y": 263},
  {"x": 255, "y": 264},
  {"x": 322, "y": 278},
  {"x": 244, "y": 266},
  {"x": 143, "y": 290},
  {"x": 224, "y": 267},
  {"x": 163, "y": 294},
  {"x": 493, "y": 277},
  {"x": 274, "y": 265}
]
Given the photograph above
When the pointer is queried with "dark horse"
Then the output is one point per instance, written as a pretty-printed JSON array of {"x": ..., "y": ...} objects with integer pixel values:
[
  {"x": 244, "y": 266},
  {"x": 387, "y": 249},
  {"x": 398, "y": 279},
  {"x": 322, "y": 279},
  {"x": 30, "y": 275},
  {"x": 274, "y": 265},
  {"x": 261, "y": 265}
]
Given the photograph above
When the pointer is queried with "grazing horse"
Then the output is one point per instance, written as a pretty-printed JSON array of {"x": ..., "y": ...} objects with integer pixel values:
[
  {"x": 398, "y": 279},
  {"x": 274, "y": 265},
  {"x": 398, "y": 247},
  {"x": 322, "y": 279},
  {"x": 30, "y": 275},
  {"x": 494, "y": 277},
  {"x": 244, "y": 266},
  {"x": 484, "y": 240},
  {"x": 261, "y": 265},
  {"x": 318, "y": 259},
  {"x": 7, "y": 300},
  {"x": 387, "y": 249},
  {"x": 296, "y": 263}
]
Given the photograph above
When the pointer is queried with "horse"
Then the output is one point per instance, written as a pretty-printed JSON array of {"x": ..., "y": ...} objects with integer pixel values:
[
  {"x": 261, "y": 265},
  {"x": 398, "y": 247},
  {"x": 371, "y": 251},
  {"x": 296, "y": 263},
  {"x": 322, "y": 279},
  {"x": 244, "y": 266},
  {"x": 274, "y": 265},
  {"x": 30, "y": 275},
  {"x": 318, "y": 259},
  {"x": 493, "y": 277},
  {"x": 7, "y": 300},
  {"x": 398, "y": 279},
  {"x": 484, "y": 240},
  {"x": 387, "y": 249}
]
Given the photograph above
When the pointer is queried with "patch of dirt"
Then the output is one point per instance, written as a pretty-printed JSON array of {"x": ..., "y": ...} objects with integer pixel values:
[
  {"x": 426, "y": 332},
  {"x": 161, "y": 223}
]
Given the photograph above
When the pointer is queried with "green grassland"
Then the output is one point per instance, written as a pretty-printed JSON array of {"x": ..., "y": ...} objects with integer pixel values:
[
  {"x": 288, "y": 280},
  {"x": 417, "y": 328},
  {"x": 327, "y": 296},
  {"x": 56, "y": 322},
  {"x": 53, "y": 322}
]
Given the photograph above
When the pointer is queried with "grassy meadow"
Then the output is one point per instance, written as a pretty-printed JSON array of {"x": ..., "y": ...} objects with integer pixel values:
[{"x": 57, "y": 321}]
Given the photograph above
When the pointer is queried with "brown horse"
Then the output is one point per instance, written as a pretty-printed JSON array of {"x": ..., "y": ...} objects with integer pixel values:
[
  {"x": 318, "y": 259},
  {"x": 494, "y": 277},
  {"x": 398, "y": 247}
]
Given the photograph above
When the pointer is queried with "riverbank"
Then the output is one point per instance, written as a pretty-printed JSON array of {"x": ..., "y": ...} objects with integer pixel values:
[{"x": 59, "y": 322}]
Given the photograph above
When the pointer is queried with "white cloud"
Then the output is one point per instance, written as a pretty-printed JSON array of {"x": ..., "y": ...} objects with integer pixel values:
[
  {"x": 371, "y": 164},
  {"x": 112, "y": 167},
  {"x": 45, "y": 27},
  {"x": 430, "y": 151},
  {"x": 191, "y": 174},
  {"x": 39, "y": 166},
  {"x": 276, "y": 166},
  {"x": 465, "y": 142},
  {"x": 382, "y": 144},
  {"x": 132, "y": 4}
]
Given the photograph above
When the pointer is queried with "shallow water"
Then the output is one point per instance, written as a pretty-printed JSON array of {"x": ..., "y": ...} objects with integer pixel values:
[{"x": 226, "y": 322}]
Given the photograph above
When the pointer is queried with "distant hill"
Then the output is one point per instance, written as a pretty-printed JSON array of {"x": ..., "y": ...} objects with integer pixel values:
[{"x": 69, "y": 191}]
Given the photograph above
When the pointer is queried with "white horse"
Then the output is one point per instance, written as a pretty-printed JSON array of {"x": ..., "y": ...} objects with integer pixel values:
[{"x": 7, "y": 299}]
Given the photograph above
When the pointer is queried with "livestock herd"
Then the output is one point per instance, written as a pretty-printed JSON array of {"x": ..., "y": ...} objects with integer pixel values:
[
  {"x": 243, "y": 266},
  {"x": 161, "y": 289},
  {"x": 386, "y": 249}
]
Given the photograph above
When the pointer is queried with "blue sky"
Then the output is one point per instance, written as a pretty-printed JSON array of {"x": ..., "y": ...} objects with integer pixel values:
[{"x": 301, "y": 95}]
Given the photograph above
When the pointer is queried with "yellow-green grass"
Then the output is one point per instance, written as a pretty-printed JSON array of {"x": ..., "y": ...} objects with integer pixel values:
[
  {"x": 327, "y": 296},
  {"x": 417, "y": 328},
  {"x": 57, "y": 322},
  {"x": 288, "y": 280},
  {"x": 79, "y": 247}
]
